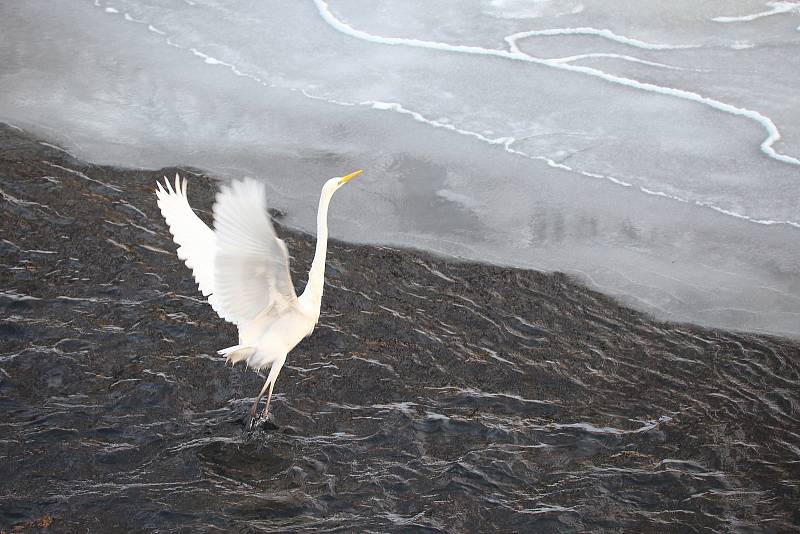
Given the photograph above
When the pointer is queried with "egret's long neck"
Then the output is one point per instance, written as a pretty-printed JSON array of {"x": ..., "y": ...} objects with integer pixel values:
[{"x": 312, "y": 295}]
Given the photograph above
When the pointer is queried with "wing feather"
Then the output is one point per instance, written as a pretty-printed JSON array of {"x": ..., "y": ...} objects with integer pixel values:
[
  {"x": 251, "y": 265},
  {"x": 196, "y": 241}
]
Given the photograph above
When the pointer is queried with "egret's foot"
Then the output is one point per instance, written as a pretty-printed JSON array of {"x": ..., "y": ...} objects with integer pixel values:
[
  {"x": 260, "y": 421},
  {"x": 252, "y": 420}
]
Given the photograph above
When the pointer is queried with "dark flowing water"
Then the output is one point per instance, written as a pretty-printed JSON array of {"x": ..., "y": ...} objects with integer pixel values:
[{"x": 433, "y": 395}]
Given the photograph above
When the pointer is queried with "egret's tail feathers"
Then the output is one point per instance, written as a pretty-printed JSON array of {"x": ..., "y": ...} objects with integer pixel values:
[
  {"x": 237, "y": 353},
  {"x": 230, "y": 349}
]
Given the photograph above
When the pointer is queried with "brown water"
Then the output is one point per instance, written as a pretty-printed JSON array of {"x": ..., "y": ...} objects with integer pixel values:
[{"x": 433, "y": 395}]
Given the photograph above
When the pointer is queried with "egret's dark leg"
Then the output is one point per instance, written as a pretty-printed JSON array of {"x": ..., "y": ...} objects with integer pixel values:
[
  {"x": 273, "y": 377},
  {"x": 270, "y": 383},
  {"x": 269, "y": 398},
  {"x": 254, "y": 409}
]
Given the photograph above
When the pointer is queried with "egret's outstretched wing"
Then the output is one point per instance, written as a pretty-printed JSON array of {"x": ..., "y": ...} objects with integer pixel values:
[
  {"x": 196, "y": 241},
  {"x": 251, "y": 265}
]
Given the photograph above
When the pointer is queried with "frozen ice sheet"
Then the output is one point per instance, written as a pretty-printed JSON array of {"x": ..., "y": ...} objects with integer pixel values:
[{"x": 650, "y": 150}]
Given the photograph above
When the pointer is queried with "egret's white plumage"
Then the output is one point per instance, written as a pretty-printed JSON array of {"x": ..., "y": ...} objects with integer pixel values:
[{"x": 243, "y": 269}]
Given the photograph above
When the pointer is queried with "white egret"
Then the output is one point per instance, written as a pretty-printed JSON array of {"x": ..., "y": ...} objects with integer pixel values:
[{"x": 243, "y": 269}]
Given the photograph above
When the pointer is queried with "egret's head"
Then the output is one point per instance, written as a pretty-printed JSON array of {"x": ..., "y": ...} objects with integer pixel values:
[{"x": 339, "y": 181}]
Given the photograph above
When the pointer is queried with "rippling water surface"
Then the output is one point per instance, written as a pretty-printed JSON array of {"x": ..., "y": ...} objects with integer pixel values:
[
  {"x": 434, "y": 396},
  {"x": 651, "y": 149}
]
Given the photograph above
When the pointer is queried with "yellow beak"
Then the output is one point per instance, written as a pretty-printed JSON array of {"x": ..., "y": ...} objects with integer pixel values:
[{"x": 350, "y": 176}]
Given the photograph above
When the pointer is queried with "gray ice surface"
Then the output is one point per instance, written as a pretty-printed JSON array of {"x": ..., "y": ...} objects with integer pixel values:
[{"x": 651, "y": 149}]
